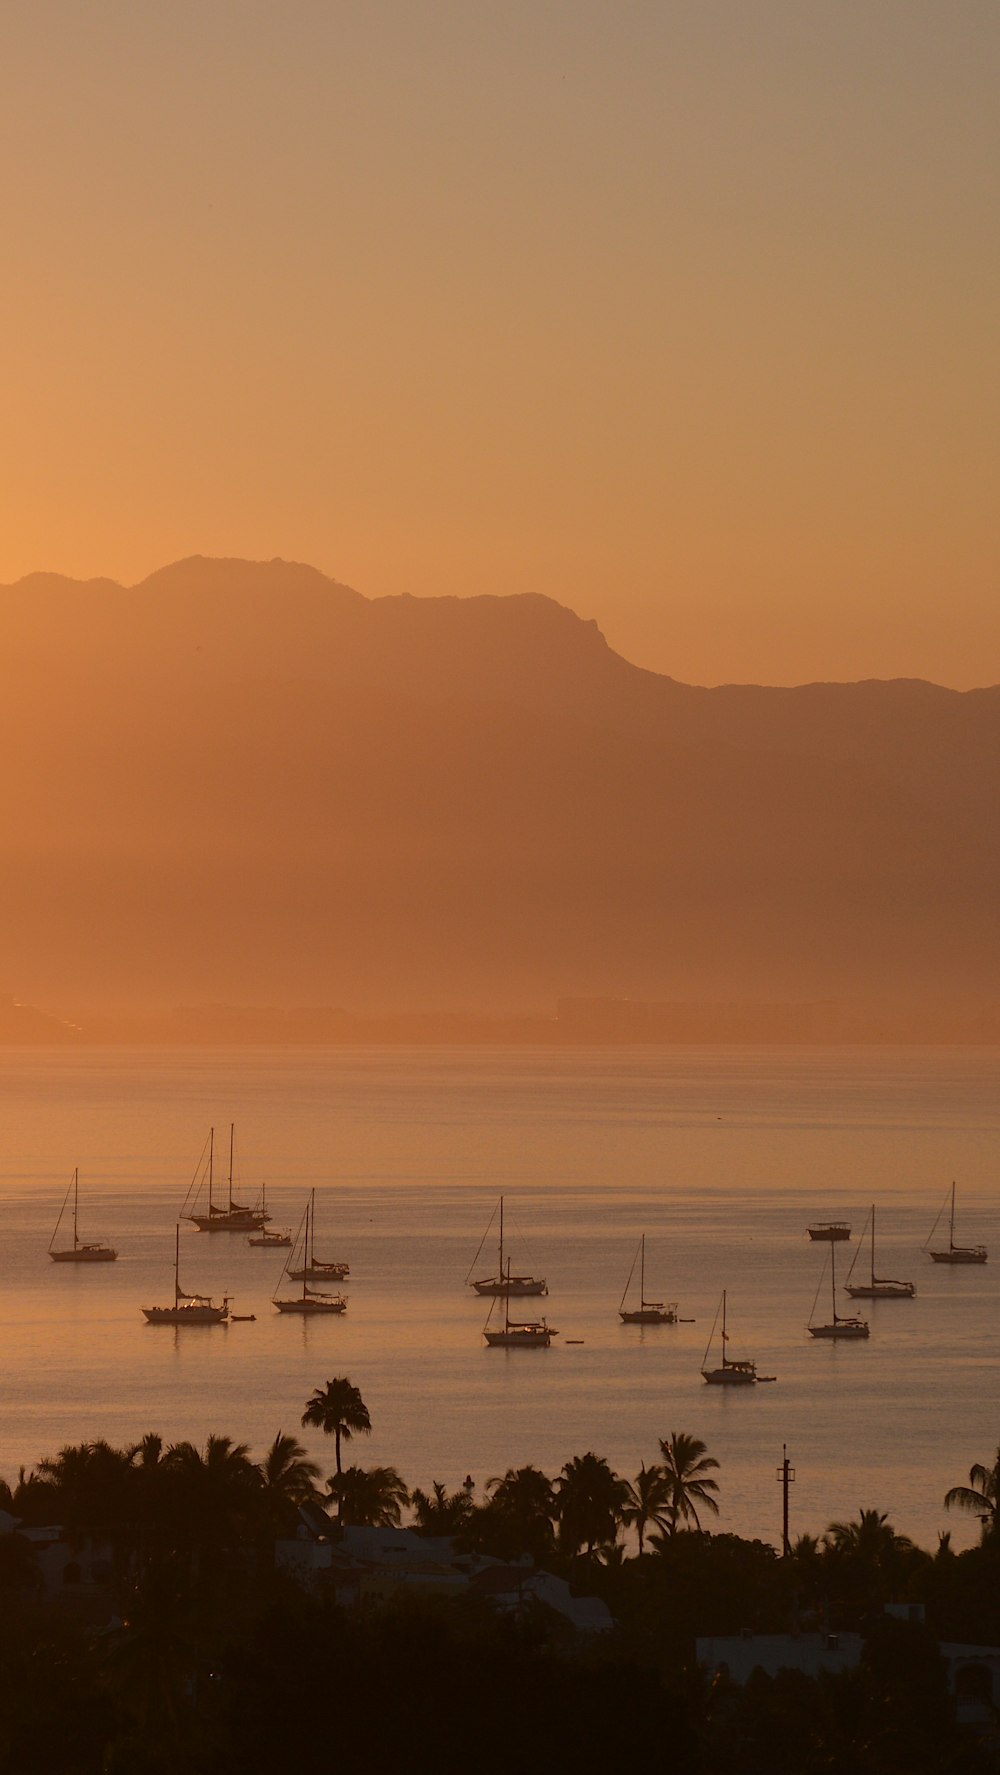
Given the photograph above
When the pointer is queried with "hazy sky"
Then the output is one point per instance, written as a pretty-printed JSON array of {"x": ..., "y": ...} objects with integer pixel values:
[{"x": 684, "y": 311}]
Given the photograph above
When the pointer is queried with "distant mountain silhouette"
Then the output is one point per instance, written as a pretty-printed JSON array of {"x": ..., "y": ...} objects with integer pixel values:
[{"x": 245, "y": 781}]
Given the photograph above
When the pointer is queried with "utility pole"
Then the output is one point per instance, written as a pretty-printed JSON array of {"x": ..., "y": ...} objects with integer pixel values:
[{"x": 785, "y": 1477}]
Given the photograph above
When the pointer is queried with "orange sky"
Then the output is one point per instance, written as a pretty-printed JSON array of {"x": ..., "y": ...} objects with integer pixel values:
[{"x": 684, "y": 311}]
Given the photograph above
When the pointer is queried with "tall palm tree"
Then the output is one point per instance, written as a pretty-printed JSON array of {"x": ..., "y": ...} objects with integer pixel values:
[
  {"x": 372, "y": 1498},
  {"x": 591, "y": 1498},
  {"x": 339, "y": 1411},
  {"x": 688, "y": 1466},
  {"x": 648, "y": 1501},
  {"x": 441, "y": 1512},
  {"x": 981, "y": 1497}
]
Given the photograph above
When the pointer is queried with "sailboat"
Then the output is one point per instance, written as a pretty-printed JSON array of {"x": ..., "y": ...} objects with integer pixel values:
[
  {"x": 955, "y": 1253},
  {"x": 732, "y": 1371},
  {"x": 81, "y": 1251},
  {"x": 269, "y": 1235},
  {"x": 877, "y": 1287},
  {"x": 839, "y": 1326},
  {"x": 235, "y": 1217},
  {"x": 503, "y": 1282},
  {"x": 188, "y": 1309},
  {"x": 311, "y": 1300},
  {"x": 648, "y": 1312},
  {"x": 517, "y": 1334},
  {"x": 313, "y": 1268}
]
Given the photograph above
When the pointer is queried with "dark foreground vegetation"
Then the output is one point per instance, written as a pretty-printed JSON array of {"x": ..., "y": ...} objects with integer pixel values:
[{"x": 189, "y": 1649}]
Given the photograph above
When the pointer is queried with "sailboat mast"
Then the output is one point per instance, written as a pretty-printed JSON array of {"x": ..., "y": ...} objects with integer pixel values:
[
  {"x": 211, "y": 1153},
  {"x": 177, "y": 1265},
  {"x": 501, "y": 1243},
  {"x": 231, "y": 1138},
  {"x": 833, "y": 1278},
  {"x": 76, "y": 1203},
  {"x": 642, "y": 1272},
  {"x": 951, "y": 1234},
  {"x": 723, "y": 1328},
  {"x": 873, "y": 1244}
]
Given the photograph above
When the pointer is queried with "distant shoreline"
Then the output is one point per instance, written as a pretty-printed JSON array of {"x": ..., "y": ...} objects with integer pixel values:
[{"x": 576, "y": 1023}]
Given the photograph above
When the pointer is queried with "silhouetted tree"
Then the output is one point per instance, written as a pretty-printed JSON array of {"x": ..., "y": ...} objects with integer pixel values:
[
  {"x": 372, "y": 1497},
  {"x": 687, "y": 1466},
  {"x": 649, "y": 1501},
  {"x": 590, "y": 1498},
  {"x": 339, "y": 1411},
  {"x": 981, "y": 1497},
  {"x": 517, "y": 1517},
  {"x": 440, "y": 1512},
  {"x": 288, "y": 1479}
]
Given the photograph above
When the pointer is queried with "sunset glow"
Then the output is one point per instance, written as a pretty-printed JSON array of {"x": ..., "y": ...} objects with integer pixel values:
[{"x": 683, "y": 314}]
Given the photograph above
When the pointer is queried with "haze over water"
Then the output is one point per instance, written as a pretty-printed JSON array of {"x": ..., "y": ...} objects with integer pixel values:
[{"x": 720, "y": 1156}]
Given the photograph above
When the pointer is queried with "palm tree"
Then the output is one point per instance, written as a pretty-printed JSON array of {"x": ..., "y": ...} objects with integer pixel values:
[
  {"x": 339, "y": 1411},
  {"x": 523, "y": 1507},
  {"x": 441, "y": 1512},
  {"x": 94, "y": 1485},
  {"x": 372, "y": 1498},
  {"x": 288, "y": 1479},
  {"x": 871, "y": 1538},
  {"x": 687, "y": 1466},
  {"x": 210, "y": 1500},
  {"x": 869, "y": 1556},
  {"x": 981, "y": 1497},
  {"x": 591, "y": 1498},
  {"x": 649, "y": 1500},
  {"x": 148, "y": 1452}
]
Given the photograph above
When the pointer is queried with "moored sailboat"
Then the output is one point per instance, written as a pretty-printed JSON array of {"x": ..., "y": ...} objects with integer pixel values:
[
  {"x": 313, "y": 1268},
  {"x": 877, "y": 1287},
  {"x": 269, "y": 1235},
  {"x": 312, "y": 1301},
  {"x": 210, "y": 1217},
  {"x": 731, "y": 1371},
  {"x": 839, "y": 1325},
  {"x": 954, "y": 1253},
  {"x": 503, "y": 1282},
  {"x": 517, "y": 1334},
  {"x": 648, "y": 1312},
  {"x": 188, "y": 1309},
  {"x": 81, "y": 1250}
]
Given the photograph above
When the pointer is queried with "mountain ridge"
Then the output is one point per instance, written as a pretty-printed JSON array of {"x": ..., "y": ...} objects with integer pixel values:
[{"x": 257, "y": 782}]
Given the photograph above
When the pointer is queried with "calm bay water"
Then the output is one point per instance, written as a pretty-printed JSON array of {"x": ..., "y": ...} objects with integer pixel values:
[{"x": 720, "y": 1156}]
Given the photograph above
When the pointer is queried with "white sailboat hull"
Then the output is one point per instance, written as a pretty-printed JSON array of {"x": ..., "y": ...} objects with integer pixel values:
[
  {"x": 974, "y": 1254},
  {"x": 846, "y": 1328}
]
